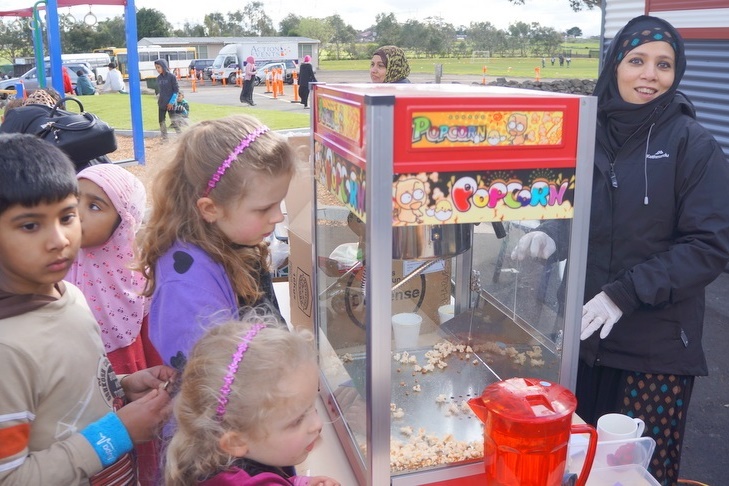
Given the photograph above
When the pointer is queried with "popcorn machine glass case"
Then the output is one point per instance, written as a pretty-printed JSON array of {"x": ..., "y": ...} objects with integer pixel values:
[{"x": 422, "y": 193}]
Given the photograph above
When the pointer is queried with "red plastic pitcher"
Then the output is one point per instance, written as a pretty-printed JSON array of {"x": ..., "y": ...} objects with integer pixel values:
[{"x": 527, "y": 428}]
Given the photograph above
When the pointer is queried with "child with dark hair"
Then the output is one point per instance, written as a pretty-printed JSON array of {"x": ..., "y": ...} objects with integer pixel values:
[
  {"x": 83, "y": 84},
  {"x": 180, "y": 112},
  {"x": 61, "y": 414},
  {"x": 167, "y": 98}
]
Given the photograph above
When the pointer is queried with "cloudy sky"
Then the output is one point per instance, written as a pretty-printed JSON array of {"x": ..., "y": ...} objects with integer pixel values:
[{"x": 361, "y": 14}]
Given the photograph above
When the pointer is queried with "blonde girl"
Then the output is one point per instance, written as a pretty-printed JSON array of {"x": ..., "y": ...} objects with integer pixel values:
[
  {"x": 245, "y": 411},
  {"x": 203, "y": 248}
]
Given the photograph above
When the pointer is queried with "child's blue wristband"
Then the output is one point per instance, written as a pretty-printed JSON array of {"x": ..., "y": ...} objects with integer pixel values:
[{"x": 109, "y": 438}]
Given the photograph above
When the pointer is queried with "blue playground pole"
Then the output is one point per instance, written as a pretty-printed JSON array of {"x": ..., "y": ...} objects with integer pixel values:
[
  {"x": 54, "y": 45},
  {"x": 135, "y": 91}
]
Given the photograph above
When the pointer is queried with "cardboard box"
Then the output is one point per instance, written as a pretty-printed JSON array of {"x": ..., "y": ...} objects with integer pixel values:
[
  {"x": 298, "y": 208},
  {"x": 345, "y": 302}
]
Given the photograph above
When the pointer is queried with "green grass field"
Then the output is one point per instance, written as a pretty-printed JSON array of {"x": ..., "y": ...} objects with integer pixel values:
[
  {"x": 520, "y": 67},
  {"x": 114, "y": 109}
]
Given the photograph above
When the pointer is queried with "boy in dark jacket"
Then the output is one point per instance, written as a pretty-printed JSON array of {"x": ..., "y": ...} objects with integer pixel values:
[{"x": 168, "y": 89}]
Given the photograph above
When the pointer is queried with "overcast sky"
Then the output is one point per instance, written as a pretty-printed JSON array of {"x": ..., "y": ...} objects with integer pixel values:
[{"x": 361, "y": 14}]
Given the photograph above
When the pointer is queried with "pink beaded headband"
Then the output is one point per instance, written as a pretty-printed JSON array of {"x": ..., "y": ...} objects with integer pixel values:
[
  {"x": 236, "y": 152},
  {"x": 233, "y": 369}
]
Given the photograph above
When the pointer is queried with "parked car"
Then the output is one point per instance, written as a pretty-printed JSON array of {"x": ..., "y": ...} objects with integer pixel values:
[
  {"x": 202, "y": 65},
  {"x": 288, "y": 65},
  {"x": 230, "y": 72},
  {"x": 30, "y": 78}
]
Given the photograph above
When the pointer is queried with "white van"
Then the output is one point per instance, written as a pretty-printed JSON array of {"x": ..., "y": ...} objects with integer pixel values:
[
  {"x": 98, "y": 61},
  {"x": 231, "y": 56}
]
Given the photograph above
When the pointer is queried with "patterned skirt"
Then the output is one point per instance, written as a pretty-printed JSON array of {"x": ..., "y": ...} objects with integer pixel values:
[{"x": 660, "y": 400}]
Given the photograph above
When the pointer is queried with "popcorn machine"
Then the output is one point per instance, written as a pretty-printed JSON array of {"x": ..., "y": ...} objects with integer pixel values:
[{"x": 421, "y": 194}]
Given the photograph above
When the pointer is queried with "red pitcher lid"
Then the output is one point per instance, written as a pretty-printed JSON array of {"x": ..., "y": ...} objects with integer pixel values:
[{"x": 529, "y": 400}]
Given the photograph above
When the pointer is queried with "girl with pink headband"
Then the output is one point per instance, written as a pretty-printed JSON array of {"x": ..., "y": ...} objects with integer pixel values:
[
  {"x": 245, "y": 412},
  {"x": 203, "y": 250}
]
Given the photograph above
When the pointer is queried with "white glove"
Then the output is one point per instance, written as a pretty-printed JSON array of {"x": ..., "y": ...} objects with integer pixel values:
[
  {"x": 599, "y": 311},
  {"x": 536, "y": 244}
]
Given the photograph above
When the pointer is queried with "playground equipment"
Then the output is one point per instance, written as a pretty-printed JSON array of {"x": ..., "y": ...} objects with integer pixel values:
[{"x": 53, "y": 39}]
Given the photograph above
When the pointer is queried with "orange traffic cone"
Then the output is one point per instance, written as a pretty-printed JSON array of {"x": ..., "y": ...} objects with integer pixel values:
[
  {"x": 279, "y": 81},
  {"x": 267, "y": 73},
  {"x": 296, "y": 87}
]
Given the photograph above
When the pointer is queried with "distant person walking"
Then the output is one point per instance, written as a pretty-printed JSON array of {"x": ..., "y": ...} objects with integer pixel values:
[
  {"x": 246, "y": 94},
  {"x": 306, "y": 76},
  {"x": 561, "y": 60},
  {"x": 168, "y": 90}
]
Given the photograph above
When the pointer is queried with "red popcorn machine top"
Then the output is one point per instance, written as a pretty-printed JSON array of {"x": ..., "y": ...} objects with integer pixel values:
[{"x": 420, "y": 300}]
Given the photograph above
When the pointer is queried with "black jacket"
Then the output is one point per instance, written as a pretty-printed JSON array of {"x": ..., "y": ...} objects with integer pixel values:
[
  {"x": 656, "y": 241},
  {"x": 167, "y": 85},
  {"x": 306, "y": 74}
]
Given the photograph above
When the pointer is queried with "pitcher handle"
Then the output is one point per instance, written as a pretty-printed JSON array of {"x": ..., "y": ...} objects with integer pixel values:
[{"x": 591, "y": 449}]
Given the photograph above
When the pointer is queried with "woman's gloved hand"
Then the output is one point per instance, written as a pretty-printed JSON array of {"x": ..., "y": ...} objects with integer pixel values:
[
  {"x": 600, "y": 311},
  {"x": 536, "y": 244}
]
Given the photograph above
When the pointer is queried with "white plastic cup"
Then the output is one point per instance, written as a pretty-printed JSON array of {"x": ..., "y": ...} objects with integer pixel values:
[
  {"x": 616, "y": 426},
  {"x": 446, "y": 312},
  {"x": 406, "y": 327}
]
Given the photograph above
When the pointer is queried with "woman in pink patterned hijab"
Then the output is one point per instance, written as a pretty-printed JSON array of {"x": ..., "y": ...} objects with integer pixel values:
[{"x": 112, "y": 202}]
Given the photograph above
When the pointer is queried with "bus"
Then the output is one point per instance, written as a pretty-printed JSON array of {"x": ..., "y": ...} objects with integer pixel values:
[
  {"x": 112, "y": 52},
  {"x": 176, "y": 57},
  {"x": 97, "y": 61}
]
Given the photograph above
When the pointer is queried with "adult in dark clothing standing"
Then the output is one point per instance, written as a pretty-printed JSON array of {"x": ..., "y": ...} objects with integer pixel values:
[
  {"x": 168, "y": 89},
  {"x": 306, "y": 76},
  {"x": 249, "y": 77},
  {"x": 659, "y": 234}
]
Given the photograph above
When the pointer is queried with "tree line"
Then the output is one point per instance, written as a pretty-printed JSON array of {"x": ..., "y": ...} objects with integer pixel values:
[{"x": 432, "y": 37}]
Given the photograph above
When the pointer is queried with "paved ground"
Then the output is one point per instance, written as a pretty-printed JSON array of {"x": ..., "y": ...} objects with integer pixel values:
[
  {"x": 706, "y": 449},
  {"x": 229, "y": 95}
]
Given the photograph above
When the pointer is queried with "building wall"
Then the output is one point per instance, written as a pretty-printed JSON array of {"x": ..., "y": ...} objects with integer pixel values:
[{"x": 704, "y": 25}]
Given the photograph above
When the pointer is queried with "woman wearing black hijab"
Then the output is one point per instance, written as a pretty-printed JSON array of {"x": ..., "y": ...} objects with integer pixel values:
[{"x": 659, "y": 234}]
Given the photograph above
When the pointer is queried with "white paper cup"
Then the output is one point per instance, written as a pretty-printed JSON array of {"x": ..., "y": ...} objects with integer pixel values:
[
  {"x": 616, "y": 426},
  {"x": 406, "y": 327},
  {"x": 446, "y": 312}
]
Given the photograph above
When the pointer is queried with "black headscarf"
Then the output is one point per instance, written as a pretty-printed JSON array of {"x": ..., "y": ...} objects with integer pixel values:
[{"x": 619, "y": 119}]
